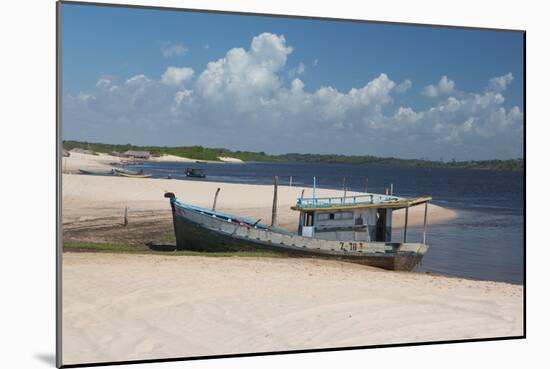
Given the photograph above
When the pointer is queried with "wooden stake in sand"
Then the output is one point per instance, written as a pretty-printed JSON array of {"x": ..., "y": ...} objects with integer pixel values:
[
  {"x": 125, "y": 216},
  {"x": 215, "y": 199},
  {"x": 274, "y": 209}
]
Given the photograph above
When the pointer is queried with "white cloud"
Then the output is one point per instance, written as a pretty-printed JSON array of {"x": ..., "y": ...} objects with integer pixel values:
[
  {"x": 242, "y": 101},
  {"x": 137, "y": 80},
  {"x": 298, "y": 71},
  {"x": 445, "y": 86},
  {"x": 403, "y": 86},
  {"x": 103, "y": 82},
  {"x": 169, "y": 49},
  {"x": 297, "y": 85},
  {"x": 315, "y": 62},
  {"x": 301, "y": 68},
  {"x": 174, "y": 76},
  {"x": 245, "y": 75},
  {"x": 499, "y": 84}
]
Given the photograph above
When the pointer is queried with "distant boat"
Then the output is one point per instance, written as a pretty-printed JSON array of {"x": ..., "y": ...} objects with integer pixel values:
[
  {"x": 349, "y": 228},
  {"x": 126, "y": 171},
  {"x": 134, "y": 175},
  {"x": 195, "y": 173},
  {"x": 93, "y": 172}
]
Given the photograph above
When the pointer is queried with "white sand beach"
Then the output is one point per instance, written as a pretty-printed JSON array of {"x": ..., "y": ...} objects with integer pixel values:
[
  {"x": 100, "y": 162},
  {"x": 130, "y": 307}
]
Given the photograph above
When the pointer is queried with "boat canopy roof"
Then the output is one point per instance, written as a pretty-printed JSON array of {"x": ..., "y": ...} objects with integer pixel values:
[{"x": 357, "y": 202}]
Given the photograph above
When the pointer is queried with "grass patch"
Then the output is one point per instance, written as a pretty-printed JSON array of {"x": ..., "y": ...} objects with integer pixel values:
[
  {"x": 132, "y": 249},
  {"x": 169, "y": 237}
]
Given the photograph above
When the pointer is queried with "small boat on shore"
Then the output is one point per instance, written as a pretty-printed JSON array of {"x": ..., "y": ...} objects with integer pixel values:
[
  {"x": 93, "y": 172},
  {"x": 134, "y": 175},
  {"x": 357, "y": 229},
  {"x": 195, "y": 173},
  {"x": 126, "y": 171}
]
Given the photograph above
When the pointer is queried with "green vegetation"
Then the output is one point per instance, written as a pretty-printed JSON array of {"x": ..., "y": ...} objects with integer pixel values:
[
  {"x": 132, "y": 249},
  {"x": 204, "y": 153}
]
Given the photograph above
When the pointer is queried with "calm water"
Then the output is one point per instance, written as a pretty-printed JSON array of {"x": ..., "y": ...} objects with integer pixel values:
[{"x": 484, "y": 242}]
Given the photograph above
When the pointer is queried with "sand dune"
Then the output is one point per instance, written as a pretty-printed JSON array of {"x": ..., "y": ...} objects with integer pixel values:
[
  {"x": 172, "y": 159},
  {"x": 105, "y": 163},
  {"x": 227, "y": 159},
  {"x": 130, "y": 307}
]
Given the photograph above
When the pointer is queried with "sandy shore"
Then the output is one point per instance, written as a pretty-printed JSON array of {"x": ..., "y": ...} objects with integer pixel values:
[
  {"x": 105, "y": 163},
  {"x": 95, "y": 197},
  {"x": 100, "y": 163},
  {"x": 128, "y": 307}
]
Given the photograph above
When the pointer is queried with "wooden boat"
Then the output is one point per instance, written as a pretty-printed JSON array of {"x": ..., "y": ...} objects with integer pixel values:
[
  {"x": 93, "y": 172},
  {"x": 126, "y": 171},
  {"x": 134, "y": 175},
  {"x": 195, "y": 173},
  {"x": 355, "y": 229}
]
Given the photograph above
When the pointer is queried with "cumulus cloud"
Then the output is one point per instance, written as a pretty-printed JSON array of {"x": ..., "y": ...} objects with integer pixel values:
[
  {"x": 169, "y": 49},
  {"x": 298, "y": 71},
  {"x": 242, "y": 101},
  {"x": 445, "y": 86},
  {"x": 499, "y": 84},
  {"x": 174, "y": 76},
  {"x": 403, "y": 86},
  {"x": 243, "y": 76}
]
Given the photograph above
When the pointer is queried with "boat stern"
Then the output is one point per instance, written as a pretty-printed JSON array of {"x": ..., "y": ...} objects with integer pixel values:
[{"x": 409, "y": 255}]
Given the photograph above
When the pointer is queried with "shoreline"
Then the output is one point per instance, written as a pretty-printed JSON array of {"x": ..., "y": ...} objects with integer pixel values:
[
  {"x": 252, "y": 254},
  {"x": 80, "y": 199}
]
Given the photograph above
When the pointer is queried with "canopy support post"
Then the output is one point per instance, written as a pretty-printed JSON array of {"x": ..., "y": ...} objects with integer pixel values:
[
  {"x": 425, "y": 223},
  {"x": 406, "y": 223},
  {"x": 274, "y": 209}
]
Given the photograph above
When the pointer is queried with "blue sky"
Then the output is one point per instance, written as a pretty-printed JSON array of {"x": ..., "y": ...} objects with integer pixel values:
[{"x": 293, "y": 107}]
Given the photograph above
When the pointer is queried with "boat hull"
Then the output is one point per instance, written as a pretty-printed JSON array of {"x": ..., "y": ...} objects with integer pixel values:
[
  {"x": 201, "y": 232},
  {"x": 134, "y": 175},
  {"x": 188, "y": 175},
  {"x": 93, "y": 173}
]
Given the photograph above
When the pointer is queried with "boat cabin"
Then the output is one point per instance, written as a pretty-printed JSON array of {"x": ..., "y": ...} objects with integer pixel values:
[
  {"x": 365, "y": 218},
  {"x": 195, "y": 172}
]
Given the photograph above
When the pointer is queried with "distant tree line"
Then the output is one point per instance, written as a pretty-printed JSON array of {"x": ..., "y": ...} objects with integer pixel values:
[{"x": 204, "y": 153}]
